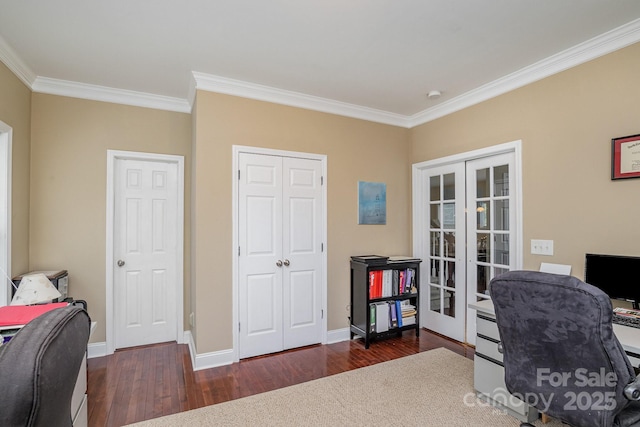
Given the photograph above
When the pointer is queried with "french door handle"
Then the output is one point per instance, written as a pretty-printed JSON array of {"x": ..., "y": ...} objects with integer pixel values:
[
  {"x": 286, "y": 263},
  {"x": 279, "y": 263}
]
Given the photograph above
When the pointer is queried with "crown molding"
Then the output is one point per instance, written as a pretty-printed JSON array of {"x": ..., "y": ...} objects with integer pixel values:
[
  {"x": 217, "y": 84},
  {"x": 9, "y": 58},
  {"x": 611, "y": 41},
  {"x": 107, "y": 94},
  {"x": 608, "y": 42}
]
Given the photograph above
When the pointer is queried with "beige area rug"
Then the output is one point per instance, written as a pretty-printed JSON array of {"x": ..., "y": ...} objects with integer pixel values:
[{"x": 433, "y": 388}]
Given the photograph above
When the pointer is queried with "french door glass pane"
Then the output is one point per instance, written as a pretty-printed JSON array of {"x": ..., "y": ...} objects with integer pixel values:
[
  {"x": 449, "y": 186},
  {"x": 435, "y": 299},
  {"x": 501, "y": 220},
  {"x": 449, "y": 215},
  {"x": 434, "y": 183},
  {"x": 435, "y": 243},
  {"x": 435, "y": 215},
  {"x": 483, "y": 184},
  {"x": 483, "y": 213},
  {"x": 484, "y": 247},
  {"x": 449, "y": 244},
  {"x": 484, "y": 276},
  {"x": 450, "y": 303},
  {"x": 435, "y": 271},
  {"x": 501, "y": 180},
  {"x": 501, "y": 256},
  {"x": 450, "y": 274}
]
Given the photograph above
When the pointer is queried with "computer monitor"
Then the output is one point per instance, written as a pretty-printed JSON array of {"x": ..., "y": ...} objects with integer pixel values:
[{"x": 618, "y": 276}]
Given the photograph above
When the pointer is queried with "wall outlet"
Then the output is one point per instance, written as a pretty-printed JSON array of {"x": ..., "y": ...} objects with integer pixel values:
[{"x": 541, "y": 247}]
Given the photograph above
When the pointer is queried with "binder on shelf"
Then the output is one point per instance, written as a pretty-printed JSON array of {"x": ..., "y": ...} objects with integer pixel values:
[
  {"x": 372, "y": 317},
  {"x": 399, "y": 312},
  {"x": 393, "y": 320},
  {"x": 382, "y": 317},
  {"x": 387, "y": 285}
]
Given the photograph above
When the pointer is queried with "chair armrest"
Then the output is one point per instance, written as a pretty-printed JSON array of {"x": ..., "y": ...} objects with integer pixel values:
[{"x": 632, "y": 390}]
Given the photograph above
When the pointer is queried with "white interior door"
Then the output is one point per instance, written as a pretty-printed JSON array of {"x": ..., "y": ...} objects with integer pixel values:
[
  {"x": 491, "y": 236},
  {"x": 443, "y": 273},
  {"x": 5, "y": 214},
  {"x": 145, "y": 251},
  {"x": 280, "y": 258},
  {"x": 302, "y": 251},
  {"x": 260, "y": 237}
]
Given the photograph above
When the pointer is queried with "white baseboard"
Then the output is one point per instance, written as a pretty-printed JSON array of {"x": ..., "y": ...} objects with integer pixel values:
[
  {"x": 96, "y": 349},
  {"x": 338, "y": 335}
]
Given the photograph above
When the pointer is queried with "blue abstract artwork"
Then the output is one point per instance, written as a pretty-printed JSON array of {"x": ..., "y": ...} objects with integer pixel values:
[{"x": 372, "y": 202}]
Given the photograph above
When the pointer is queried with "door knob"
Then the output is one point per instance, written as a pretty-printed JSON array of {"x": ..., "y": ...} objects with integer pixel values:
[
  {"x": 286, "y": 263},
  {"x": 120, "y": 263},
  {"x": 279, "y": 263}
]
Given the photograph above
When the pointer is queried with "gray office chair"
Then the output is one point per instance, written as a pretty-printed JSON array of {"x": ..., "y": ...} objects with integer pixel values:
[
  {"x": 560, "y": 353},
  {"x": 39, "y": 367}
]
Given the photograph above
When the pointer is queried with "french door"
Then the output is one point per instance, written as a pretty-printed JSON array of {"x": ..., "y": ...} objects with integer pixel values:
[
  {"x": 467, "y": 231},
  {"x": 491, "y": 236},
  {"x": 444, "y": 236}
]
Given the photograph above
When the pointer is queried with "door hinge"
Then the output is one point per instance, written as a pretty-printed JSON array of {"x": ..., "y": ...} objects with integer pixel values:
[
  {"x": 238, "y": 174},
  {"x": 239, "y": 327},
  {"x": 322, "y": 180},
  {"x": 238, "y": 250},
  {"x": 321, "y": 247},
  {"x": 322, "y": 313}
]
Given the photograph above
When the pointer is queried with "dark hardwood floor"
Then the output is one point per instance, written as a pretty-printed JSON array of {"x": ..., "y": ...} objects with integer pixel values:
[{"x": 151, "y": 381}]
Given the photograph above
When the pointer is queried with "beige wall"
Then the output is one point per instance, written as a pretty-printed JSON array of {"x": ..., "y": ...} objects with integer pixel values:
[
  {"x": 70, "y": 139},
  {"x": 356, "y": 150},
  {"x": 566, "y": 123},
  {"x": 15, "y": 111}
]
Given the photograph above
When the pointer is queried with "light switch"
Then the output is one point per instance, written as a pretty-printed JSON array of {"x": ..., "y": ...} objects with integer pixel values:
[{"x": 541, "y": 247}]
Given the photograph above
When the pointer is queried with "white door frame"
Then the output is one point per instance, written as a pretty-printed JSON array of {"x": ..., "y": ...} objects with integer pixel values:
[
  {"x": 6, "y": 134},
  {"x": 112, "y": 157},
  {"x": 237, "y": 149},
  {"x": 418, "y": 196}
]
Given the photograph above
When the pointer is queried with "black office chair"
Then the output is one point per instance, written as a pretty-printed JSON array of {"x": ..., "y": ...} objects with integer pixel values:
[
  {"x": 39, "y": 367},
  {"x": 560, "y": 353}
]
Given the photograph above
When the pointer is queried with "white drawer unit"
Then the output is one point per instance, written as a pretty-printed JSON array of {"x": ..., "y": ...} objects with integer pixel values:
[{"x": 488, "y": 371}]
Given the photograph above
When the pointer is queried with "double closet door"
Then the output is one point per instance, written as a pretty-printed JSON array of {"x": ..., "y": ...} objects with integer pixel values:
[{"x": 280, "y": 253}]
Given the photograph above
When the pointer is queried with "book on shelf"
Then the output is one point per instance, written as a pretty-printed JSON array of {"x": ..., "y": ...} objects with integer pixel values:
[
  {"x": 372, "y": 317},
  {"x": 399, "y": 312},
  {"x": 406, "y": 321},
  {"x": 627, "y": 312},
  {"x": 382, "y": 317},
  {"x": 387, "y": 283},
  {"x": 393, "y": 316}
]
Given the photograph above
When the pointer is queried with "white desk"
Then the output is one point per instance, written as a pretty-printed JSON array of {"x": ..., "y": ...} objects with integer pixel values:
[
  {"x": 489, "y": 372},
  {"x": 629, "y": 337}
]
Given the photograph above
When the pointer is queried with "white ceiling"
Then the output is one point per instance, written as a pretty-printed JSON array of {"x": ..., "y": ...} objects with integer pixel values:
[{"x": 375, "y": 59}]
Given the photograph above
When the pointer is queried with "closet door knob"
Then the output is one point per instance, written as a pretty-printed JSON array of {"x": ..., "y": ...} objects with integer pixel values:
[
  {"x": 286, "y": 263},
  {"x": 279, "y": 263},
  {"x": 120, "y": 263}
]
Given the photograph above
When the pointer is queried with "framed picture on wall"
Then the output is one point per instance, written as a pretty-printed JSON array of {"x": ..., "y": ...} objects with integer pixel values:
[
  {"x": 625, "y": 157},
  {"x": 372, "y": 202}
]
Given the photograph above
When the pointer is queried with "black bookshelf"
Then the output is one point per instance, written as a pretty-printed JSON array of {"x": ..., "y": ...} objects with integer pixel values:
[{"x": 368, "y": 296}]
